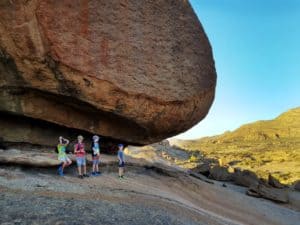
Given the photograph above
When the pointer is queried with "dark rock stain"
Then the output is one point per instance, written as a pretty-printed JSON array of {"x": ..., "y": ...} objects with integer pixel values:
[
  {"x": 9, "y": 70},
  {"x": 66, "y": 87}
]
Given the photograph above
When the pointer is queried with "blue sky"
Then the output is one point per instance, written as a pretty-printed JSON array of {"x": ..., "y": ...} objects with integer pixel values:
[{"x": 256, "y": 46}]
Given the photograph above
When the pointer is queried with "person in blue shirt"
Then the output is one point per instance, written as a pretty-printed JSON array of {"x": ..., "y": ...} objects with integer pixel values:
[{"x": 121, "y": 161}]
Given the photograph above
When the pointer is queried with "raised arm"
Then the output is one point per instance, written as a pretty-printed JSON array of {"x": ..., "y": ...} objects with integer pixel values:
[{"x": 67, "y": 141}]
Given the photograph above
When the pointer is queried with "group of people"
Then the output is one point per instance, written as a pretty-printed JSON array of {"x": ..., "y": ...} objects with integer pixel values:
[{"x": 80, "y": 153}]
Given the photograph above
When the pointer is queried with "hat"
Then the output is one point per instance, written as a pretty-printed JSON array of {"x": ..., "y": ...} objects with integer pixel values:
[{"x": 120, "y": 145}]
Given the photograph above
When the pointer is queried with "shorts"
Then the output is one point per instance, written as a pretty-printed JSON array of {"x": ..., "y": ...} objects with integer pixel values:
[
  {"x": 121, "y": 165},
  {"x": 80, "y": 161},
  {"x": 64, "y": 159},
  {"x": 96, "y": 160}
]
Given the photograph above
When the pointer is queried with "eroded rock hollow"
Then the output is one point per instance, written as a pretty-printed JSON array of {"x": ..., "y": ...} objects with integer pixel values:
[{"x": 137, "y": 71}]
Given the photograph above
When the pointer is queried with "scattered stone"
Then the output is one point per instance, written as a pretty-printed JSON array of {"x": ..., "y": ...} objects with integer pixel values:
[
  {"x": 200, "y": 177},
  {"x": 272, "y": 181},
  {"x": 245, "y": 178},
  {"x": 297, "y": 185},
  {"x": 220, "y": 173},
  {"x": 202, "y": 168},
  {"x": 261, "y": 190},
  {"x": 294, "y": 199},
  {"x": 253, "y": 193}
]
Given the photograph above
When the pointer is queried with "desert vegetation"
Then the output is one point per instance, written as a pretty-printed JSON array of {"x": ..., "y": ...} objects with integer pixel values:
[{"x": 264, "y": 147}]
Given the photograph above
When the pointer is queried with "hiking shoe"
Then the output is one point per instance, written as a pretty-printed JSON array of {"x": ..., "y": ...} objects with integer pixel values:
[
  {"x": 122, "y": 177},
  {"x": 93, "y": 174},
  {"x": 59, "y": 171},
  {"x": 98, "y": 173},
  {"x": 80, "y": 176},
  {"x": 86, "y": 175}
]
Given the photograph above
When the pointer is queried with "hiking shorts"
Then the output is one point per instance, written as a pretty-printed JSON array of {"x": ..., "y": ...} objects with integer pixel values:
[
  {"x": 64, "y": 159},
  {"x": 121, "y": 165},
  {"x": 80, "y": 161},
  {"x": 96, "y": 160}
]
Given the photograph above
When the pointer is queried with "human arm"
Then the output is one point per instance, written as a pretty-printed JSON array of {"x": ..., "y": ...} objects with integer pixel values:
[
  {"x": 75, "y": 149},
  {"x": 66, "y": 141}
]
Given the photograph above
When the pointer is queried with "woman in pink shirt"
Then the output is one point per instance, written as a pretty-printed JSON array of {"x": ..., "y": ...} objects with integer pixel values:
[{"x": 80, "y": 157}]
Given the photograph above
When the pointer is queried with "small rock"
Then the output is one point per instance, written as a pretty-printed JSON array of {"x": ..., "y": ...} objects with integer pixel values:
[
  {"x": 245, "y": 178},
  {"x": 297, "y": 185},
  {"x": 253, "y": 193},
  {"x": 203, "y": 168},
  {"x": 200, "y": 177},
  {"x": 272, "y": 181},
  {"x": 220, "y": 173},
  {"x": 261, "y": 190}
]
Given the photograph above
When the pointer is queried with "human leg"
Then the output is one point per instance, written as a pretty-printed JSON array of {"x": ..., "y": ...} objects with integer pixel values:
[{"x": 79, "y": 164}]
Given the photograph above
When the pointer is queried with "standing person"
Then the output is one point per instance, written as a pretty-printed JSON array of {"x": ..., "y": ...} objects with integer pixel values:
[
  {"x": 95, "y": 155},
  {"x": 80, "y": 157},
  {"x": 62, "y": 156},
  {"x": 121, "y": 160}
]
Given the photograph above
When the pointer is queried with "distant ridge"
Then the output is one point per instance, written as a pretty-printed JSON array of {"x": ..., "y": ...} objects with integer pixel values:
[{"x": 267, "y": 146}]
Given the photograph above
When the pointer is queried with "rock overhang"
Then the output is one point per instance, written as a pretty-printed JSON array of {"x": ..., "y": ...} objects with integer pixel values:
[{"x": 134, "y": 72}]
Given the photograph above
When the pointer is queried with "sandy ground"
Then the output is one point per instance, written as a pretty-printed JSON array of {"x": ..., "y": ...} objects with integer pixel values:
[{"x": 146, "y": 196}]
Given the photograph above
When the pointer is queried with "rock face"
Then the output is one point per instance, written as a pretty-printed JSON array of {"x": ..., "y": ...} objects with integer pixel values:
[{"x": 136, "y": 71}]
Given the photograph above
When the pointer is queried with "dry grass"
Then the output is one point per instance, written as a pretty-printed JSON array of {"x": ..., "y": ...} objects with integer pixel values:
[{"x": 263, "y": 147}]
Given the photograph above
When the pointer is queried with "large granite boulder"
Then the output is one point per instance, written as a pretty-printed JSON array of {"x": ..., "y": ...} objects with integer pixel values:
[{"x": 133, "y": 70}]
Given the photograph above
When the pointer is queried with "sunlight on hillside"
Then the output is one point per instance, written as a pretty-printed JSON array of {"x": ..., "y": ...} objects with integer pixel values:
[{"x": 265, "y": 147}]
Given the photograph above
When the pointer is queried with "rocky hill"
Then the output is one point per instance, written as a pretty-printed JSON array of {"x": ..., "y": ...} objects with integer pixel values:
[{"x": 265, "y": 147}]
